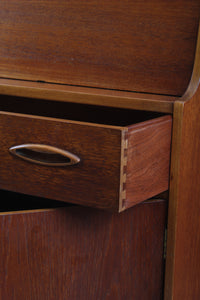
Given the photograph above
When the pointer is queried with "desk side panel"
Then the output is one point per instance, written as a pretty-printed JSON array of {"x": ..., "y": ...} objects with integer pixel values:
[{"x": 183, "y": 252}]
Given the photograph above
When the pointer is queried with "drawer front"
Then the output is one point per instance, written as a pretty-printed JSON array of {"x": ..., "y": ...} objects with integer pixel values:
[
  {"x": 115, "y": 167},
  {"x": 94, "y": 181}
]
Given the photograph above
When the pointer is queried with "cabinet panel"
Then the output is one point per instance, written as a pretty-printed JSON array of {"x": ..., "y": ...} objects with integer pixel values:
[{"x": 76, "y": 253}]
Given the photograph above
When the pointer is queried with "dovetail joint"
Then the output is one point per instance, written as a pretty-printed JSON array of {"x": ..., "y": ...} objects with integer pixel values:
[{"x": 124, "y": 160}]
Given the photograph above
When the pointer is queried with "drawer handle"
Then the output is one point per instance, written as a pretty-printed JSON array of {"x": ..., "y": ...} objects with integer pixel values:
[{"x": 44, "y": 155}]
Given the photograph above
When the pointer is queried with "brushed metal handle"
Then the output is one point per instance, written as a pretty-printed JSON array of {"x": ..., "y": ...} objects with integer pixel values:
[{"x": 44, "y": 155}]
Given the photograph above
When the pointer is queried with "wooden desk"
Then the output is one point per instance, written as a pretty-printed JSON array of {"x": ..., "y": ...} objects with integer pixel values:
[{"x": 104, "y": 82}]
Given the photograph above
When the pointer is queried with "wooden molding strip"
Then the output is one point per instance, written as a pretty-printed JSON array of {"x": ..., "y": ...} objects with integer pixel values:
[{"x": 85, "y": 95}]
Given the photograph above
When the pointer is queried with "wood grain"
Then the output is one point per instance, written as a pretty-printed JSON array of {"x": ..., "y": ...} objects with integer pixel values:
[
  {"x": 83, "y": 254},
  {"x": 183, "y": 250},
  {"x": 99, "y": 179},
  {"x": 116, "y": 45},
  {"x": 93, "y": 182},
  {"x": 183, "y": 267},
  {"x": 148, "y": 160},
  {"x": 103, "y": 97}
]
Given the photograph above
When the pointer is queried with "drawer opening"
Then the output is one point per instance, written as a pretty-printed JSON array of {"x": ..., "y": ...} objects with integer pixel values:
[
  {"x": 11, "y": 201},
  {"x": 123, "y": 158},
  {"x": 77, "y": 112}
]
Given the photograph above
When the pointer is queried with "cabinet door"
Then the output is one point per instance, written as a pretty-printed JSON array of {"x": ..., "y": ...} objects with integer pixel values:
[{"x": 75, "y": 253}]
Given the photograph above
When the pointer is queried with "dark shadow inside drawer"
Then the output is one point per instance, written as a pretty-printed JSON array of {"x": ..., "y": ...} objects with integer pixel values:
[
  {"x": 77, "y": 112},
  {"x": 10, "y": 201}
]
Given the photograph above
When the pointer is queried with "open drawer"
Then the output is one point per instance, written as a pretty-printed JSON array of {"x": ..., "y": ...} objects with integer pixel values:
[{"x": 109, "y": 159}]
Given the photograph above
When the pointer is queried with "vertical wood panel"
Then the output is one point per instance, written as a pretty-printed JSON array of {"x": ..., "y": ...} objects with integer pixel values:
[
  {"x": 183, "y": 252},
  {"x": 83, "y": 254}
]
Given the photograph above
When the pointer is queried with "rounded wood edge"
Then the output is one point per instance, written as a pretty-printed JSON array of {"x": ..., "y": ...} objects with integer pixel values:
[
  {"x": 190, "y": 99},
  {"x": 191, "y": 92},
  {"x": 194, "y": 85},
  {"x": 86, "y": 95}
]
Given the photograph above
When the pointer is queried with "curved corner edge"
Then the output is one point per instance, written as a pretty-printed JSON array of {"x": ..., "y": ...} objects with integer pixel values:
[{"x": 194, "y": 84}]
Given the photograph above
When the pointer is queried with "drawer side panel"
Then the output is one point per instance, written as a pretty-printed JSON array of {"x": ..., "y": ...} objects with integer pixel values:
[{"x": 148, "y": 160}]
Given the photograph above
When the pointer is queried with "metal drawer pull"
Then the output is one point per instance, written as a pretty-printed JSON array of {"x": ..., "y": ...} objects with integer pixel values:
[{"x": 44, "y": 155}]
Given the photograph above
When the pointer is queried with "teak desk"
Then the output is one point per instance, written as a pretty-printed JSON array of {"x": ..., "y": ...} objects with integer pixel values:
[{"x": 100, "y": 150}]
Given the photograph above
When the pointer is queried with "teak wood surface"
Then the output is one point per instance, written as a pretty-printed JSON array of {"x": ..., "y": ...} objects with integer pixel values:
[
  {"x": 113, "y": 45},
  {"x": 148, "y": 160},
  {"x": 182, "y": 279},
  {"x": 91, "y": 96},
  {"x": 116, "y": 163},
  {"x": 103, "y": 44},
  {"x": 160, "y": 63},
  {"x": 77, "y": 253}
]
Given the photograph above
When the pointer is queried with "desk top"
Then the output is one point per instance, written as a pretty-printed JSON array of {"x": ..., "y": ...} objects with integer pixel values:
[{"x": 135, "y": 46}]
